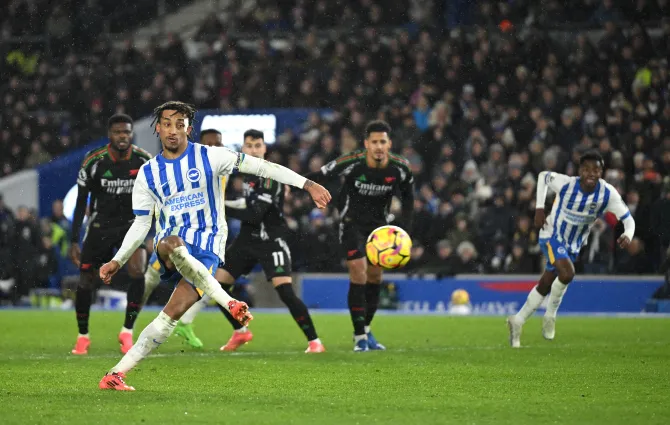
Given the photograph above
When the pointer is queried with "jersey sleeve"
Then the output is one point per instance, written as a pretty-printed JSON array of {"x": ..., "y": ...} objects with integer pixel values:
[
  {"x": 616, "y": 205},
  {"x": 342, "y": 165},
  {"x": 548, "y": 180},
  {"x": 223, "y": 160},
  {"x": 85, "y": 176},
  {"x": 143, "y": 201}
]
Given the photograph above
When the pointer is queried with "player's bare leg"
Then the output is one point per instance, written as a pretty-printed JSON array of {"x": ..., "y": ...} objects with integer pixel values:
[
  {"x": 284, "y": 287},
  {"x": 556, "y": 289},
  {"x": 82, "y": 305},
  {"x": 535, "y": 298},
  {"x": 241, "y": 334},
  {"x": 174, "y": 253},
  {"x": 372, "y": 291},
  {"x": 136, "y": 266},
  {"x": 357, "y": 302}
]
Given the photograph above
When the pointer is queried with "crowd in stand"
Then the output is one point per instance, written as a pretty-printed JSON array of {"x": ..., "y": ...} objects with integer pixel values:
[{"x": 478, "y": 113}]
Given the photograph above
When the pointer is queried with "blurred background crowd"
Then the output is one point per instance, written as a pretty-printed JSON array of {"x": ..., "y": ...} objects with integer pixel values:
[{"x": 481, "y": 96}]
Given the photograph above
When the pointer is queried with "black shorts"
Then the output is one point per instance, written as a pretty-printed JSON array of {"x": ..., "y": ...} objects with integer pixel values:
[
  {"x": 274, "y": 256},
  {"x": 353, "y": 238},
  {"x": 100, "y": 244}
]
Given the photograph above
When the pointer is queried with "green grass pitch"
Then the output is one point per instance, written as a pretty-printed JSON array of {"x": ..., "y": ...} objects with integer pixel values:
[{"x": 437, "y": 370}]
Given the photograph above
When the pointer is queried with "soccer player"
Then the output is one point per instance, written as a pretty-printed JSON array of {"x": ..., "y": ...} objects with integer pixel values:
[
  {"x": 108, "y": 174},
  {"x": 152, "y": 276},
  {"x": 371, "y": 177},
  {"x": 579, "y": 202},
  {"x": 261, "y": 239},
  {"x": 182, "y": 183}
]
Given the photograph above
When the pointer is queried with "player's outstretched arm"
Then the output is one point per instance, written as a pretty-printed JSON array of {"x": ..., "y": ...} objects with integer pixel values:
[
  {"x": 269, "y": 170},
  {"x": 143, "y": 207}
]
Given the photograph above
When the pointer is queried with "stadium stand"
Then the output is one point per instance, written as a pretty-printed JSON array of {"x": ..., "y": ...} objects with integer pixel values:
[{"x": 477, "y": 110}]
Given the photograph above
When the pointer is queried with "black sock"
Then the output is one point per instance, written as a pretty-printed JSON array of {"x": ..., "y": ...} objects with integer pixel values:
[
  {"x": 134, "y": 296},
  {"x": 372, "y": 291},
  {"x": 298, "y": 310},
  {"x": 356, "y": 301},
  {"x": 82, "y": 306},
  {"x": 235, "y": 324}
]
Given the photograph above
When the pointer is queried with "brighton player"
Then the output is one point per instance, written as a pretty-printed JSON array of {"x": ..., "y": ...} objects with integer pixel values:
[
  {"x": 182, "y": 183},
  {"x": 579, "y": 202},
  {"x": 152, "y": 275},
  {"x": 261, "y": 240}
]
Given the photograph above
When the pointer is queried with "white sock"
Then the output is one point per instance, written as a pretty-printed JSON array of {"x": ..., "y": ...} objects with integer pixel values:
[
  {"x": 558, "y": 289},
  {"x": 367, "y": 329},
  {"x": 152, "y": 278},
  {"x": 532, "y": 303},
  {"x": 359, "y": 337},
  {"x": 316, "y": 340},
  {"x": 242, "y": 330},
  {"x": 84, "y": 335},
  {"x": 194, "y": 271},
  {"x": 151, "y": 337},
  {"x": 190, "y": 314},
  {"x": 125, "y": 330}
]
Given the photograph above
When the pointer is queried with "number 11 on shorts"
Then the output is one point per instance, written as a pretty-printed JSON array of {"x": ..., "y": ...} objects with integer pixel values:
[{"x": 278, "y": 258}]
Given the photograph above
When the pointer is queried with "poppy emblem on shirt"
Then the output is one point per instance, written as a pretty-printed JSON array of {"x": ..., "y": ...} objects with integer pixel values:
[
  {"x": 389, "y": 179},
  {"x": 193, "y": 175},
  {"x": 133, "y": 173}
]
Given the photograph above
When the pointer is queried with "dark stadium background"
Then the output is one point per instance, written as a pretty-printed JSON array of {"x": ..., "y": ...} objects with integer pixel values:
[{"x": 482, "y": 96}]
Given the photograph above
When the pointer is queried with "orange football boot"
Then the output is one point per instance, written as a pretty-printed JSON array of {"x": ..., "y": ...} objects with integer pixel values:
[
  {"x": 315, "y": 347},
  {"x": 115, "y": 381},
  {"x": 81, "y": 347},
  {"x": 237, "y": 340},
  {"x": 126, "y": 341},
  {"x": 240, "y": 311}
]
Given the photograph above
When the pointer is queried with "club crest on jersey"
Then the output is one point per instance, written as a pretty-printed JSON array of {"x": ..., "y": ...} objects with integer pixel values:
[
  {"x": 593, "y": 207},
  {"x": 193, "y": 175},
  {"x": 562, "y": 250}
]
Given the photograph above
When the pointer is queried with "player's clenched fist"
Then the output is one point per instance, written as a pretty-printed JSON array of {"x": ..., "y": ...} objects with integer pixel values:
[
  {"x": 108, "y": 270},
  {"x": 319, "y": 194}
]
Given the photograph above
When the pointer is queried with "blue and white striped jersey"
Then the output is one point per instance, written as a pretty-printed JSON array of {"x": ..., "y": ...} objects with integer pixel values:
[
  {"x": 574, "y": 212},
  {"x": 187, "y": 195}
]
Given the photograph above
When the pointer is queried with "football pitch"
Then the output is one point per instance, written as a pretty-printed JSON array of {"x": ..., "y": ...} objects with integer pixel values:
[{"x": 437, "y": 370}]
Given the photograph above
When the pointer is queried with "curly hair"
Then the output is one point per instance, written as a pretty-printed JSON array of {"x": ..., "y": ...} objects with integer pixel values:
[{"x": 174, "y": 105}]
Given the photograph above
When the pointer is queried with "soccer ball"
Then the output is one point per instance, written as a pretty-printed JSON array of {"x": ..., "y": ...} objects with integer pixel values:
[
  {"x": 460, "y": 297},
  {"x": 389, "y": 247}
]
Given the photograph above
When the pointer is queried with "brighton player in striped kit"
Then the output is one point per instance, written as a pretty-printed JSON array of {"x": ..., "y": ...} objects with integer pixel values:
[
  {"x": 183, "y": 183},
  {"x": 579, "y": 202}
]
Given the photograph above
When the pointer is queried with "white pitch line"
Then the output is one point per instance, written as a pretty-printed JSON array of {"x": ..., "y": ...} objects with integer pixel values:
[{"x": 208, "y": 354}]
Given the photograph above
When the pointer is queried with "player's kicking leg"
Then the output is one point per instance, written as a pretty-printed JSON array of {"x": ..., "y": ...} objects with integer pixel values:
[
  {"x": 372, "y": 291},
  {"x": 194, "y": 265},
  {"x": 135, "y": 293},
  {"x": 559, "y": 272}
]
